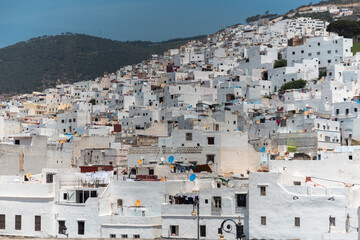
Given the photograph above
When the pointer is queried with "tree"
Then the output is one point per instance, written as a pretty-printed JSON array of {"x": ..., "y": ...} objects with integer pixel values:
[
  {"x": 92, "y": 101},
  {"x": 293, "y": 85},
  {"x": 345, "y": 28}
]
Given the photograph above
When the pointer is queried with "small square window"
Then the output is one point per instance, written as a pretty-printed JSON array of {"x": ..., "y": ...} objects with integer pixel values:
[
  {"x": 81, "y": 227},
  {"x": 263, "y": 220},
  {"x": 240, "y": 200},
  {"x": 210, "y": 158},
  {"x": 2, "y": 221},
  {"x": 217, "y": 202},
  {"x": 262, "y": 191},
  {"x": 188, "y": 137},
  {"x": 211, "y": 140},
  {"x": 332, "y": 221},
  {"x": 202, "y": 230},
  {"x": 17, "y": 222},
  {"x": 174, "y": 230}
]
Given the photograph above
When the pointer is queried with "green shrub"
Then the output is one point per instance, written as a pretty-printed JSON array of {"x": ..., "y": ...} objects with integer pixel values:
[
  {"x": 280, "y": 63},
  {"x": 293, "y": 85}
]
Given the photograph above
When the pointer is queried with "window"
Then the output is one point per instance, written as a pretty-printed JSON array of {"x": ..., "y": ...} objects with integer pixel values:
[
  {"x": 309, "y": 54},
  {"x": 297, "y": 222},
  {"x": 174, "y": 230},
  {"x": 210, "y": 158},
  {"x": 50, "y": 178},
  {"x": 202, "y": 230},
  {"x": 37, "y": 223},
  {"x": 17, "y": 222},
  {"x": 124, "y": 236},
  {"x": 112, "y": 235},
  {"x": 297, "y": 183},
  {"x": 93, "y": 194},
  {"x": 263, "y": 220},
  {"x": 65, "y": 196},
  {"x": 188, "y": 136},
  {"x": 17, "y": 142},
  {"x": 350, "y": 157},
  {"x": 318, "y": 53},
  {"x": 81, "y": 227},
  {"x": 240, "y": 200},
  {"x": 217, "y": 202},
  {"x": 119, "y": 203},
  {"x": 136, "y": 236},
  {"x": 293, "y": 53},
  {"x": 206, "y": 201},
  {"x": 337, "y": 111},
  {"x": 355, "y": 109},
  {"x": 211, "y": 140},
  {"x": 262, "y": 191},
  {"x": 63, "y": 121},
  {"x": 2, "y": 221},
  {"x": 332, "y": 221},
  {"x": 347, "y": 111},
  {"x": 62, "y": 227}
]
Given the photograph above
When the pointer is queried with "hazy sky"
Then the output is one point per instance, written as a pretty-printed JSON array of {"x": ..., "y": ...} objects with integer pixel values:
[{"x": 153, "y": 20}]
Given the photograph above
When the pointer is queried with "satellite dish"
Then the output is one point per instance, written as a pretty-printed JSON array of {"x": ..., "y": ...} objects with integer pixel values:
[
  {"x": 210, "y": 162},
  {"x": 192, "y": 177},
  {"x": 231, "y": 183},
  {"x": 140, "y": 161},
  {"x": 262, "y": 149},
  {"x": 137, "y": 203},
  {"x": 171, "y": 159},
  {"x": 162, "y": 159}
]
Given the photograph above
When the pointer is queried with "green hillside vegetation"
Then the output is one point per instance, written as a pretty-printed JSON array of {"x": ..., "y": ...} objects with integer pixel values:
[
  {"x": 355, "y": 48},
  {"x": 345, "y": 28},
  {"x": 325, "y": 16},
  {"x": 40, "y": 62},
  {"x": 258, "y": 17}
]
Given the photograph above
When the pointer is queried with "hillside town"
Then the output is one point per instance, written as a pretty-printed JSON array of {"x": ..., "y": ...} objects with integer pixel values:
[{"x": 251, "y": 133}]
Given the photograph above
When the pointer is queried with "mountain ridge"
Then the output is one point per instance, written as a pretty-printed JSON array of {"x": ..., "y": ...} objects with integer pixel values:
[{"x": 40, "y": 62}]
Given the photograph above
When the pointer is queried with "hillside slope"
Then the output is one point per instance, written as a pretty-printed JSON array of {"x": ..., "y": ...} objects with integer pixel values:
[{"x": 40, "y": 62}]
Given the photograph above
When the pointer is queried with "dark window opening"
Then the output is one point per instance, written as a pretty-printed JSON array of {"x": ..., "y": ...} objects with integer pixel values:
[{"x": 81, "y": 227}]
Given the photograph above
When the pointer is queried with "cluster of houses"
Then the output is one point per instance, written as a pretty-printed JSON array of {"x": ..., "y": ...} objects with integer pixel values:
[
  {"x": 202, "y": 142},
  {"x": 336, "y": 11}
]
